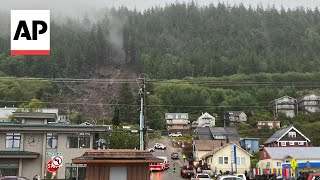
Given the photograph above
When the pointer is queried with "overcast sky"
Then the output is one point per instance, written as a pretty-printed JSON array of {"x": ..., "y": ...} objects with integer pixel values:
[{"x": 80, "y": 6}]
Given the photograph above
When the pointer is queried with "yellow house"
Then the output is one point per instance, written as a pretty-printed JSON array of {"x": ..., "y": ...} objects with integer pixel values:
[{"x": 223, "y": 159}]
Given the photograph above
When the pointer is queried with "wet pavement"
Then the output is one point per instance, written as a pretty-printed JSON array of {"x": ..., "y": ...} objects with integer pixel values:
[{"x": 167, "y": 174}]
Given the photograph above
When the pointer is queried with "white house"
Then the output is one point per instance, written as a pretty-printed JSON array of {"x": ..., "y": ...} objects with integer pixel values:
[{"x": 206, "y": 120}]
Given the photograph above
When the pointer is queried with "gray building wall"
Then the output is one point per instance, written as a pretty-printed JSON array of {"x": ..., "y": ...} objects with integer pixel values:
[{"x": 31, "y": 167}]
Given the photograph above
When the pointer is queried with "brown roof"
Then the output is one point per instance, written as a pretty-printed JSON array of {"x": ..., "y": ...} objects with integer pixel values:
[
  {"x": 208, "y": 145},
  {"x": 117, "y": 156}
]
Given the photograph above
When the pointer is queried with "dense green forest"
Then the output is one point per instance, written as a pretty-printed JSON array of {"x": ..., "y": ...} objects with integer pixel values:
[
  {"x": 211, "y": 58},
  {"x": 179, "y": 40}
]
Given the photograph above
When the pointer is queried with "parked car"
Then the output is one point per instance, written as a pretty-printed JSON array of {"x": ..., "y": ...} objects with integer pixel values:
[
  {"x": 13, "y": 178},
  {"x": 174, "y": 155},
  {"x": 242, "y": 176},
  {"x": 314, "y": 176},
  {"x": 160, "y": 146},
  {"x": 151, "y": 150},
  {"x": 228, "y": 177},
  {"x": 201, "y": 176},
  {"x": 187, "y": 171},
  {"x": 177, "y": 134}
]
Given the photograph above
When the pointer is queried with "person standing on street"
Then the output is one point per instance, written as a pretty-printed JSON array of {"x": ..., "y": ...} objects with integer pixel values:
[{"x": 184, "y": 157}]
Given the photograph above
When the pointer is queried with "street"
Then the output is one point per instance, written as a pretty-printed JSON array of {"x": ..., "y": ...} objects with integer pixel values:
[{"x": 167, "y": 174}]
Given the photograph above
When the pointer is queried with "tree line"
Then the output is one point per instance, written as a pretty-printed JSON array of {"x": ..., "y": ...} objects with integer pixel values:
[{"x": 179, "y": 40}]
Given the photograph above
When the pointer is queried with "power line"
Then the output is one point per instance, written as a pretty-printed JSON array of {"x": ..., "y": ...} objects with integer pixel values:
[{"x": 136, "y": 105}]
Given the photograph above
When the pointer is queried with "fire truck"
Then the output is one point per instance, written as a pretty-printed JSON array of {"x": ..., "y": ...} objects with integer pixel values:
[{"x": 160, "y": 166}]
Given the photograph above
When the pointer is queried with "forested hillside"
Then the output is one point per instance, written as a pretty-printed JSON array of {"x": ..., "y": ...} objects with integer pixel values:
[
  {"x": 212, "y": 58},
  {"x": 179, "y": 40}
]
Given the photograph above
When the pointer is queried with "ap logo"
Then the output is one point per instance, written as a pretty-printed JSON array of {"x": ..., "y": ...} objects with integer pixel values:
[{"x": 30, "y": 32}]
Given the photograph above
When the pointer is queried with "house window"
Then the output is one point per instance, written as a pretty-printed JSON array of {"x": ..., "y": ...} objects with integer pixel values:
[
  {"x": 293, "y": 134},
  {"x": 81, "y": 140},
  {"x": 9, "y": 167},
  {"x": 223, "y": 160},
  {"x": 52, "y": 140},
  {"x": 291, "y": 143},
  {"x": 301, "y": 143},
  {"x": 279, "y": 164},
  {"x": 13, "y": 140},
  {"x": 241, "y": 161},
  {"x": 75, "y": 171},
  {"x": 283, "y": 143}
]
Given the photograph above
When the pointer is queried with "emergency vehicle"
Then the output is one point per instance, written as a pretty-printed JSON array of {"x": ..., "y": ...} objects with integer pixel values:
[{"x": 160, "y": 166}]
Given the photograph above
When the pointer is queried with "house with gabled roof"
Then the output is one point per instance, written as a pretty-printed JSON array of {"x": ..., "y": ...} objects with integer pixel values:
[
  {"x": 228, "y": 157},
  {"x": 307, "y": 158},
  {"x": 237, "y": 117},
  {"x": 205, "y": 120},
  {"x": 289, "y": 136},
  {"x": 285, "y": 104}
]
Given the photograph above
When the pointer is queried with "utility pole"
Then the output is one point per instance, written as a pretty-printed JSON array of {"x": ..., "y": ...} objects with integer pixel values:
[
  {"x": 143, "y": 131},
  {"x": 141, "y": 123}
]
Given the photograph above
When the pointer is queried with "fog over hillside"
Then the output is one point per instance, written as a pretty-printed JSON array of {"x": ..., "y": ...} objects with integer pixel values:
[{"x": 76, "y": 6}]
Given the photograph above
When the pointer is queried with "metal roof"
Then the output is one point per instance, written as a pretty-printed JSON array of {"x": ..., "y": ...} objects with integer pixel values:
[
  {"x": 203, "y": 133},
  {"x": 277, "y": 135},
  {"x": 295, "y": 152}
]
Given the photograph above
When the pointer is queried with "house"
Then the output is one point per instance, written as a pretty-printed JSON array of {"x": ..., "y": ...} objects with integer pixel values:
[
  {"x": 309, "y": 103},
  {"x": 209, "y": 138},
  {"x": 217, "y": 133},
  {"x": 202, "y": 147},
  {"x": 227, "y": 133},
  {"x": 177, "y": 121},
  {"x": 268, "y": 124},
  {"x": 26, "y": 145},
  {"x": 250, "y": 145},
  {"x": 289, "y": 136},
  {"x": 117, "y": 164},
  {"x": 285, "y": 104},
  {"x": 307, "y": 158},
  {"x": 206, "y": 120},
  {"x": 229, "y": 157},
  {"x": 237, "y": 116}
]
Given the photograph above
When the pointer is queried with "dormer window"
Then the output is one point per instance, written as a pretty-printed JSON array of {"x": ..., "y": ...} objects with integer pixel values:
[{"x": 292, "y": 134}]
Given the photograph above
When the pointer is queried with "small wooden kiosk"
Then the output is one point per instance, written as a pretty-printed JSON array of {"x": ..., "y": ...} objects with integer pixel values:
[{"x": 117, "y": 164}]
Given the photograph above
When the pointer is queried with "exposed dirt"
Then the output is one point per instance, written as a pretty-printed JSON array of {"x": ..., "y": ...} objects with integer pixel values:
[{"x": 93, "y": 99}]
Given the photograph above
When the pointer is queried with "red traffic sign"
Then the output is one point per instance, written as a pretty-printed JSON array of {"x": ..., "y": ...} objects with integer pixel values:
[{"x": 51, "y": 167}]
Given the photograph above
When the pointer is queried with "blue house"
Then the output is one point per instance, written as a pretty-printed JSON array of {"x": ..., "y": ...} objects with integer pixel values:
[{"x": 250, "y": 145}]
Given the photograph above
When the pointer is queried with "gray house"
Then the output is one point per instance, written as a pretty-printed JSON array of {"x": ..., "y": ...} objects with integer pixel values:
[
  {"x": 309, "y": 103},
  {"x": 285, "y": 104},
  {"x": 177, "y": 121},
  {"x": 237, "y": 117}
]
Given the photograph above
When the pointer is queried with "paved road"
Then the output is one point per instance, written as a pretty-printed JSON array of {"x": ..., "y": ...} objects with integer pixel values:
[{"x": 167, "y": 174}]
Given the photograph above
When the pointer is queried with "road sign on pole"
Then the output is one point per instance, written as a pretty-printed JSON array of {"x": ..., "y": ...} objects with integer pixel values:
[
  {"x": 293, "y": 164},
  {"x": 51, "y": 167},
  {"x": 57, "y": 160}
]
